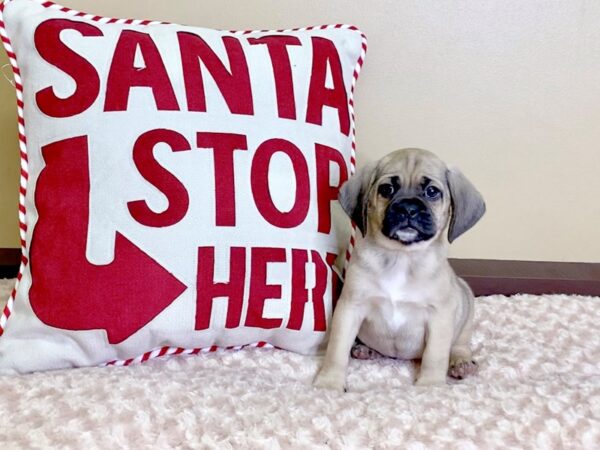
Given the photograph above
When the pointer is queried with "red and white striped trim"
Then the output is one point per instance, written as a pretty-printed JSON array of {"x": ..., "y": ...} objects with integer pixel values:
[
  {"x": 175, "y": 351},
  {"x": 163, "y": 351},
  {"x": 357, "y": 68},
  {"x": 99, "y": 19},
  {"x": 18, "y": 83}
]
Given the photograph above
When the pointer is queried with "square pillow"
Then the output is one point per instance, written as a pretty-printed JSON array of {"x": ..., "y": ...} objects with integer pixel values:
[{"x": 179, "y": 186}]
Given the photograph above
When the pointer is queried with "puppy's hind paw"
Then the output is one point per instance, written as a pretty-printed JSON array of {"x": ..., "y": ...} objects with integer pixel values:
[
  {"x": 361, "y": 351},
  {"x": 462, "y": 369}
]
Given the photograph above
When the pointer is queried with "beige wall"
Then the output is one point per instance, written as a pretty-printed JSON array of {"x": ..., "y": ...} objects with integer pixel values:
[
  {"x": 9, "y": 162},
  {"x": 507, "y": 90}
]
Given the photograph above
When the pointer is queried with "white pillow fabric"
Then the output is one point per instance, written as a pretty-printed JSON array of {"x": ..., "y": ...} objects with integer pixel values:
[{"x": 178, "y": 186}]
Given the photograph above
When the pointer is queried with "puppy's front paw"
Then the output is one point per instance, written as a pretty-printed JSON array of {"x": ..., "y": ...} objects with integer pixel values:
[
  {"x": 430, "y": 380},
  {"x": 461, "y": 368},
  {"x": 330, "y": 379}
]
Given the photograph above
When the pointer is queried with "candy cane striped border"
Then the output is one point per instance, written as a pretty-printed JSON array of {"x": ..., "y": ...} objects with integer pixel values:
[
  {"x": 18, "y": 83},
  {"x": 163, "y": 351},
  {"x": 175, "y": 351}
]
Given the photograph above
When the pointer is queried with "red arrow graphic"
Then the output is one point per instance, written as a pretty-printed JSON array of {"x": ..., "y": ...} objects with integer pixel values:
[{"x": 68, "y": 291}]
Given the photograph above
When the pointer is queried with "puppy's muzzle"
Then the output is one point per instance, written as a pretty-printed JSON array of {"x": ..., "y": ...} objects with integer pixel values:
[{"x": 408, "y": 220}]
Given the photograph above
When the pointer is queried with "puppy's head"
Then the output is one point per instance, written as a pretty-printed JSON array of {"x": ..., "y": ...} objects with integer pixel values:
[{"x": 408, "y": 198}]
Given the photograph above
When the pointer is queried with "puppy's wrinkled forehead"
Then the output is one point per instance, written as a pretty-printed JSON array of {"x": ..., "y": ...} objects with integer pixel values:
[{"x": 411, "y": 165}]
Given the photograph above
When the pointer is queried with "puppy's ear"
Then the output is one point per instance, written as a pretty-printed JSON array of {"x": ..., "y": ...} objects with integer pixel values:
[
  {"x": 467, "y": 204},
  {"x": 354, "y": 195}
]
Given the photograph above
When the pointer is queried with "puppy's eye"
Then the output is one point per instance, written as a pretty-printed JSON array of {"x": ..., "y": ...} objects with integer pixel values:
[
  {"x": 386, "y": 190},
  {"x": 432, "y": 192}
]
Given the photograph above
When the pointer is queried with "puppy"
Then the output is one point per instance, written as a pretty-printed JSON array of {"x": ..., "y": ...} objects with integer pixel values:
[{"x": 401, "y": 297}]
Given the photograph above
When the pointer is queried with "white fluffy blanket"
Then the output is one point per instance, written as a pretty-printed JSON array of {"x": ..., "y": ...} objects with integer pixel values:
[{"x": 538, "y": 387}]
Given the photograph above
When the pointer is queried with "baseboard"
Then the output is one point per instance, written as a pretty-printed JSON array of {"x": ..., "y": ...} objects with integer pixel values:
[
  {"x": 489, "y": 276},
  {"x": 485, "y": 276},
  {"x": 10, "y": 258}
]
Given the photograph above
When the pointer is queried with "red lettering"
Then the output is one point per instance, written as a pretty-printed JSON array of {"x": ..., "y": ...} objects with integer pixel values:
[
  {"x": 162, "y": 179},
  {"x": 282, "y": 71},
  {"x": 207, "y": 290},
  {"x": 325, "y": 54},
  {"x": 336, "y": 282},
  {"x": 318, "y": 294},
  {"x": 140, "y": 287},
  {"x": 259, "y": 181},
  {"x": 123, "y": 75},
  {"x": 299, "y": 291},
  {"x": 234, "y": 84},
  {"x": 223, "y": 144},
  {"x": 54, "y": 51},
  {"x": 328, "y": 193},
  {"x": 260, "y": 290}
]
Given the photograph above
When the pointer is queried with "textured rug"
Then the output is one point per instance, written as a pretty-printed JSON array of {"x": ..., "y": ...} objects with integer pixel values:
[{"x": 538, "y": 387}]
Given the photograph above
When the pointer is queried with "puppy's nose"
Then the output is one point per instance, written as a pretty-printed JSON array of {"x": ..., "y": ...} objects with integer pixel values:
[{"x": 408, "y": 208}]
